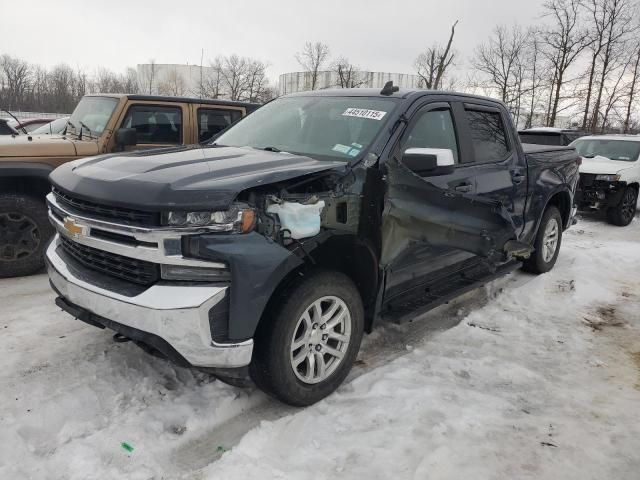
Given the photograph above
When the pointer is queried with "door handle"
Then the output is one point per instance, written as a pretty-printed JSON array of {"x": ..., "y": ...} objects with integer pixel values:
[
  {"x": 517, "y": 177},
  {"x": 463, "y": 187}
]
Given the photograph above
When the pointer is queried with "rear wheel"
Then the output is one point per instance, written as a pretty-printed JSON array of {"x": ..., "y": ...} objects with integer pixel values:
[
  {"x": 24, "y": 233},
  {"x": 307, "y": 349},
  {"x": 622, "y": 214},
  {"x": 547, "y": 243}
]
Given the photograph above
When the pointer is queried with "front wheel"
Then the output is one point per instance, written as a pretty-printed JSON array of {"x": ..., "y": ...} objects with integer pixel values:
[
  {"x": 622, "y": 214},
  {"x": 24, "y": 233},
  {"x": 547, "y": 243},
  {"x": 307, "y": 349}
]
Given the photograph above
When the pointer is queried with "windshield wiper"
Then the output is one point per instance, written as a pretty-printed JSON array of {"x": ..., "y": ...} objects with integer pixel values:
[
  {"x": 67, "y": 126},
  {"x": 272, "y": 149},
  {"x": 83, "y": 126},
  {"x": 24, "y": 130}
]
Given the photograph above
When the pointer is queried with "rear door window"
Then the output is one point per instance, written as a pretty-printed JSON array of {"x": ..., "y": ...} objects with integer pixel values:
[
  {"x": 212, "y": 121},
  {"x": 488, "y": 135},
  {"x": 155, "y": 124}
]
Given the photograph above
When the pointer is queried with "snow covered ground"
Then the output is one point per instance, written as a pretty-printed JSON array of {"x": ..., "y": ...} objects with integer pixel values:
[{"x": 540, "y": 381}]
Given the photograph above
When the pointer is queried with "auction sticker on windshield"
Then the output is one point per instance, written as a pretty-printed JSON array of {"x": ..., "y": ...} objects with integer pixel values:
[{"x": 364, "y": 113}]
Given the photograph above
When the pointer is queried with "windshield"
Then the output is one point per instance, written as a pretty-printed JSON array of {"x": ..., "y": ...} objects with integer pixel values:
[
  {"x": 55, "y": 127},
  {"x": 92, "y": 115},
  {"x": 334, "y": 127},
  {"x": 624, "y": 150}
]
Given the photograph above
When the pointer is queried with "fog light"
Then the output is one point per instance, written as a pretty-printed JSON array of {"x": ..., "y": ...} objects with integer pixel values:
[{"x": 194, "y": 274}]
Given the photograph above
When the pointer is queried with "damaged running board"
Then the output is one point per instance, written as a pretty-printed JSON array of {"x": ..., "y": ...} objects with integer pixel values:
[{"x": 442, "y": 292}]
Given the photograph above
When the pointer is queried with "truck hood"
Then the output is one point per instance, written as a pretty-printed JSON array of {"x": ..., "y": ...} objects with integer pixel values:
[
  {"x": 188, "y": 178},
  {"x": 36, "y": 146},
  {"x": 603, "y": 165}
]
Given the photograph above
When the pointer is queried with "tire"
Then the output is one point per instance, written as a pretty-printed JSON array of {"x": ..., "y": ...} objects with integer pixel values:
[
  {"x": 623, "y": 213},
  {"x": 272, "y": 366},
  {"x": 25, "y": 232},
  {"x": 542, "y": 259}
]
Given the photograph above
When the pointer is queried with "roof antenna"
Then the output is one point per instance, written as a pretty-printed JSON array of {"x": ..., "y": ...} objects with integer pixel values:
[{"x": 388, "y": 88}]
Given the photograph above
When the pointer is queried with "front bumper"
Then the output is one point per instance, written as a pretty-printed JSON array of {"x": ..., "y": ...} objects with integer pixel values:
[
  {"x": 176, "y": 314},
  {"x": 598, "y": 193}
]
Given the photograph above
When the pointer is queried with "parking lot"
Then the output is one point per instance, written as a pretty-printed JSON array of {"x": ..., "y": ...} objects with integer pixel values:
[{"x": 541, "y": 382}]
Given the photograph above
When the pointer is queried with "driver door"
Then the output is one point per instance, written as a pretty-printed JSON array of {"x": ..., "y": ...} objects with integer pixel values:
[
  {"x": 435, "y": 221},
  {"x": 156, "y": 125}
]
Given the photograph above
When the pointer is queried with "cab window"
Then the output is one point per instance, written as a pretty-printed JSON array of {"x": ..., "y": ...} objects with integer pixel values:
[
  {"x": 212, "y": 121},
  {"x": 488, "y": 135},
  {"x": 155, "y": 124},
  {"x": 433, "y": 129}
]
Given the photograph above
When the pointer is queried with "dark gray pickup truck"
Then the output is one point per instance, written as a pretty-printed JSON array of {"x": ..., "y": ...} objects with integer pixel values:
[{"x": 268, "y": 252}]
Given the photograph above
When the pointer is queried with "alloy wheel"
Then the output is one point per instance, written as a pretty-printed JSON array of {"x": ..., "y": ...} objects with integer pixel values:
[
  {"x": 550, "y": 240},
  {"x": 320, "y": 339}
]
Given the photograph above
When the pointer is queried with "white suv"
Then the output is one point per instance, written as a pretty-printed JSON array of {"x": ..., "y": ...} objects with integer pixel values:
[{"x": 609, "y": 175}]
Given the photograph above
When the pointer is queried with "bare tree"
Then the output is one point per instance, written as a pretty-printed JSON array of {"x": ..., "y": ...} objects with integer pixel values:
[
  {"x": 17, "y": 74},
  {"x": 39, "y": 85},
  {"x": 538, "y": 76},
  {"x": 148, "y": 74},
  {"x": 33, "y": 87},
  {"x": 612, "y": 94},
  {"x": 432, "y": 64},
  {"x": 61, "y": 80},
  {"x": 257, "y": 81},
  {"x": 173, "y": 84},
  {"x": 501, "y": 59},
  {"x": 598, "y": 24},
  {"x": 211, "y": 83},
  {"x": 129, "y": 81},
  {"x": 106, "y": 81},
  {"x": 612, "y": 22},
  {"x": 81, "y": 83},
  {"x": 633, "y": 88},
  {"x": 234, "y": 75},
  {"x": 347, "y": 74},
  {"x": 312, "y": 58},
  {"x": 564, "y": 40}
]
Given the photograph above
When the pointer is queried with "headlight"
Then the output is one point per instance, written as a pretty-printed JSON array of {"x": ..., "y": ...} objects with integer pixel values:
[
  {"x": 608, "y": 178},
  {"x": 238, "y": 219}
]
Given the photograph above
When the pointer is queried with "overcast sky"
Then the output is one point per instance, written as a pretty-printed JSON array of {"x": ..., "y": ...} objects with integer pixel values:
[{"x": 375, "y": 35}]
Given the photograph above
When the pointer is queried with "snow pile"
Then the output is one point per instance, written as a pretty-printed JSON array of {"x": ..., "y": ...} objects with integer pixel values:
[
  {"x": 532, "y": 390},
  {"x": 542, "y": 382}
]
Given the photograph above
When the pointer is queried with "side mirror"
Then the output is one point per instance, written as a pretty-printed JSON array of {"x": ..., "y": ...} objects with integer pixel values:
[
  {"x": 429, "y": 162},
  {"x": 126, "y": 137}
]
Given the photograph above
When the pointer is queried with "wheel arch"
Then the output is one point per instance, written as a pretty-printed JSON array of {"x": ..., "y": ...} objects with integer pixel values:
[
  {"x": 30, "y": 179},
  {"x": 562, "y": 201},
  {"x": 347, "y": 254}
]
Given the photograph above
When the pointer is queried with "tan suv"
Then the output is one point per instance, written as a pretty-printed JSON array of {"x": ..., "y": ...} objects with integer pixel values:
[{"x": 99, "y": 124}]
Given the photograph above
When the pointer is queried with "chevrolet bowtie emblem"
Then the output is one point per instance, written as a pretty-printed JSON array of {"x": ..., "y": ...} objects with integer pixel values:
[{"x": 73, "y": 228}]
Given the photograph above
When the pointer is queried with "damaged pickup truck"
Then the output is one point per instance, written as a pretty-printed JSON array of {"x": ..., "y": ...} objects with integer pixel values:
[{"x": 268, "y": 252}]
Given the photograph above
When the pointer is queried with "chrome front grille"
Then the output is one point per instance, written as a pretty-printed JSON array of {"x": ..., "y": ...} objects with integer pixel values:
[{"x": 119, "y": 266}]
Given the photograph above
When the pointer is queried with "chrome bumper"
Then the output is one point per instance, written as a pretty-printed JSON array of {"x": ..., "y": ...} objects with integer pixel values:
[{"x": 177, "y": 314}]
